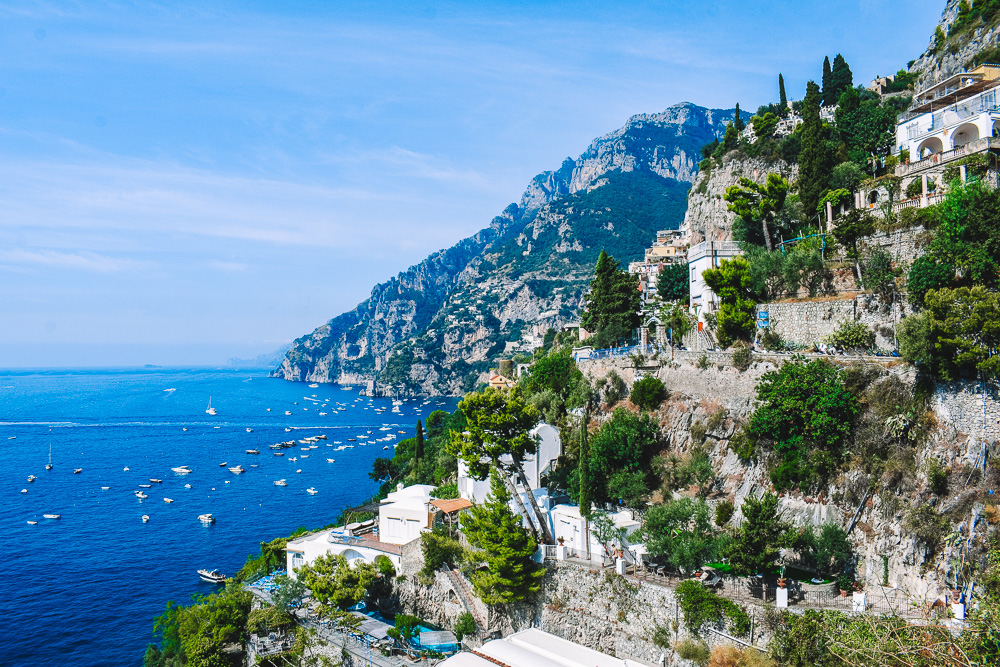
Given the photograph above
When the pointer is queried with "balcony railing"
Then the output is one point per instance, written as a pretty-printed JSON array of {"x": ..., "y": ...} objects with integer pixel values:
[{"x": 937, "y": 159}]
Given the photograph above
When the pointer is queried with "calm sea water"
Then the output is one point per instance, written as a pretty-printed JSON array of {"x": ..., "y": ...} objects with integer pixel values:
[{"x": 85, "y": 589}]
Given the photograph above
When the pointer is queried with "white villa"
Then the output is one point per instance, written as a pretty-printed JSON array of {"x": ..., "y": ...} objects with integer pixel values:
[
  {"x": 402, "y": 517},
  {"x": 568, "y": 524},
  {"x": 535, "y": 465},
  {"x": 707, "y": 255}
]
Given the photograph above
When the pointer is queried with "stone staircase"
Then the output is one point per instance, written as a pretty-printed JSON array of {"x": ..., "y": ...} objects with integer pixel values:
[{"x": 464, "y": 592}]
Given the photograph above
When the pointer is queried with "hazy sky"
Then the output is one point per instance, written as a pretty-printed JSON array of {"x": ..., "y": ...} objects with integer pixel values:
[{"x": 184, "y": 182}]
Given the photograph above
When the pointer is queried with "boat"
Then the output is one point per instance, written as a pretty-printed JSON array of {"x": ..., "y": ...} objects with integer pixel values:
[
  {"x": 24, "y": 490},
  {"x": 125, "y": 469},
  {"x": 249, "y": 430},
  {"x": 146, "y": 486},
  {"x": 184, "y": 428},
  {"x": 403, "y": 432},
  {"x": 386, "y": 447},
  {"x": 140, "y": 495},
  {"x": 32, "y": 523},
  {"x": 280, "y": 482},
  {"x": 48, "y": 466},
  {"x": 206, "y": 518},
  {"x": 253, "y": 451},
  {"x": 155, "y": 481},
  {"x": 288, "y": 430},
  {"x": 77, "y": 471},
  {"x": 253, "y": 465},
  {"x": 31, "y": 478},
  {"x": 223, "y": 464},
  {"x": 210, "y": 410},
  {"x": 303, "y": 456},
  {"x": 212, "y": 576},
  {"x": 268, "y": 409},
  {"x": 105, "y": 488},
  {"x": 288, "y": 412},
  {"x": 145, "y": 518},
  {"x": 311, "y": 491},
  {"x": 237, "y": 470},
  {"x": 52, "y": 516},
  {"x": 279, "y": 453},
  {"x": 181, "y": 470},
  {"x": 299, "y": 470},
  {"x": 168, "y": 500},
  {"x": 330, "y": 460},
  {"x": 187, "y": 486},
  {"x": 313, "y": 385}
]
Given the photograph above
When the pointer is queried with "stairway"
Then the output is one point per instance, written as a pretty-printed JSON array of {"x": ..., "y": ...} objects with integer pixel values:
[{"x": 464, "y": 592}]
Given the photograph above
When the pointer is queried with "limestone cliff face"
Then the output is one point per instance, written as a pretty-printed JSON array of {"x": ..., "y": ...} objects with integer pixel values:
[
  {"x": 708, "y": 217},
  {"x": 437, "y": 326},
  {"x": 957, "y": 54}
]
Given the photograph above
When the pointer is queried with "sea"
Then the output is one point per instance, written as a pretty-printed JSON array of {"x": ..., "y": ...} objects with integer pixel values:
[{"x": 85, "y": 589}]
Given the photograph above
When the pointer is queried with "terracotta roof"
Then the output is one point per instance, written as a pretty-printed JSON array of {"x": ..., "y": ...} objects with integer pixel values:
[{"x": 451, "y": 505}]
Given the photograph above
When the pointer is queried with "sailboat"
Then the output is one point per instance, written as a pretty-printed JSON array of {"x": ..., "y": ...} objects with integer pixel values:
[
  {"x": 211, "y": 410},
  {"x": 48, "y": 466}
]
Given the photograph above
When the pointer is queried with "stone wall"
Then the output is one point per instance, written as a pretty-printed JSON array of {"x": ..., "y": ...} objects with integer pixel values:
[
  {"x": 960, "y": 406},
  {"x": 809, "y": 322}
]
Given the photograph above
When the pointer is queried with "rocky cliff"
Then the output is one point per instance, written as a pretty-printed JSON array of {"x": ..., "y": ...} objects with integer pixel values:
[
  {"x": 959, "y": 50},
  {"x": 437, "y": 326}
]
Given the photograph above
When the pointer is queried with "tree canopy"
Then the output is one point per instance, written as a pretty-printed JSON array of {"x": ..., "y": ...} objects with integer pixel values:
[
  {"x": 758, "y": 203},
  {"x": 731, "y": 282},
  {"x": 757, "y": 543},
  {"x": 614, "y": 298}
]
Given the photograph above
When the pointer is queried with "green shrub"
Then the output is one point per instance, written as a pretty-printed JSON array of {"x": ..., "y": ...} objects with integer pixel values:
[
  {"x": 661, "y": 636},
  {"x": 438, "y": 550},
  {"x": 717, "y": 419},
  {"x": 742, "y": 356},
  {"x": 724, "y": 512},
  {"x": 771, "y": 340},
  {"x": 702, "y": 362},
  {"x": 927, "y": 525},
  {"x": 852, "y": 336},
  {"x": 700, "y": 605},
  {"x": 465, "y": 625},
  {"x": 742, "y": 445},
  {"x": 937, "y": 477},
  {"x": 696, "y": 652},
  {"x": 698, "y": 433},
  {"x": 648, "y": 393}
]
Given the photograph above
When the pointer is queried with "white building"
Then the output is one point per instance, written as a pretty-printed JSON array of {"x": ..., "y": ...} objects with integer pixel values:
[
  {"x": 951, "y": 114},
  {"x": 535, "y": 465},
  {"x": 568, "y": 524},
  {"x": 707, "y": 255},
  {"x": 402, "y": 517},
  {"x": 535, "y": 648}
]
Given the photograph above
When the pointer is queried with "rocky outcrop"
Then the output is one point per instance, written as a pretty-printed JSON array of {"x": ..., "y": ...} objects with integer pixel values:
[
  {"x": 956, "y": 55},
  {"x": 708, "y": 217},
  {"x": 437, "y": 326}
]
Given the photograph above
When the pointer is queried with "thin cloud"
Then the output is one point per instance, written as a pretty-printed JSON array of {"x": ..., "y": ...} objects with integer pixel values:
[{"x": 80, "y": 261}]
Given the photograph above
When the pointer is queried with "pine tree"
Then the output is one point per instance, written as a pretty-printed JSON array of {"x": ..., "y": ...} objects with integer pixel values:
[
  {"x": 418, "y": 450},
  {"x": 505, "y": 546},
  {"x": 614, "y": 299},
  {"x": 738, "y": 119},
  {"x": 827, "y": 97},
  {"x": 813, "y": 159},
  {"x": 782, "y": 98},
  {"x": 730, "y": 139},
  {"x": 757, "y": 543},
  {"x": 841, "y": 78}
]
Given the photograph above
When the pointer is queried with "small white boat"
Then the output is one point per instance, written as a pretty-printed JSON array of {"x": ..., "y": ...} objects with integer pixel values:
[
  {"x": 145, "y": 518},
  {"x": 253, "y": 451},
  {"x": 77, "y": 471},
  {"x": 206, "y": 518},
  {"x": 48, "y": 466},
  {"x": 322, "y": 437},
  {"x": 31, "y": 478},
  {"x": 249, "y": 430},
  {"x": 24, "y": 490},
  {"x": 268, "y": 409},
  {"x": 299, "y": 470},
  {"x": 212, "y": 576},
  {"x": 330, "y": 460},
  {"x": 105, "y": 488},
  {"x": 386, "y": 447},
  {"x": 140, "y": 495},
  {"x": 280, "y": 482},
  {"x": 185, "y": 428},
  {"x": 253, "y": 465},
  {"x": 223, "y": 464},
  {"x": 155, "y": 480},
  {"x": 303, "y": 456},
  {"x": 293, "y": 458},
  {"x": 313, "y": 385},
  {"x": 52, "y": 516},
  {"x": 187, "y": 486},
  {"x": 145, "y": 486},
  {"x": 210, "y": 410},
  {"x": 288, "y": 430},
  {"x": 237, "y": 470},
  {"x": 32, "y": 523},
  {"x": 168, "y": 500},
  {"x": 288, "y": 413},
  {"x": 125, "y": 469},
  {"x": 279, "y": 453},
  {"x": 181, "y": 470},
  {"x": 311, "y": 491}
]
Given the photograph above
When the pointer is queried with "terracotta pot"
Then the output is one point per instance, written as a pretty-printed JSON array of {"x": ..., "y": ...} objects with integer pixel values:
[{"x": 843, "y": 594}]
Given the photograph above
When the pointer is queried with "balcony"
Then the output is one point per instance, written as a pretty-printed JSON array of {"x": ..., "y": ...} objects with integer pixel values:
[{"x": 938, "y": 160}]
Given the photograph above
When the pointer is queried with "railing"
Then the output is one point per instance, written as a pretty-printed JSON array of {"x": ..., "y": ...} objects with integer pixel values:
[
  {"x": 549, "y": 551},
  {"x": 916, "y": 202},
  {"x": 975, "y": 146},
  {"x": 623, "y": 351}
]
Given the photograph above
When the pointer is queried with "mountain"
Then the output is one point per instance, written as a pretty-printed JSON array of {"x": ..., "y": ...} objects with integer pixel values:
[
  {"x": 967, "y": 35},
  {"x": 266, "y": 360},
  {"x": 438, "y": 326}
]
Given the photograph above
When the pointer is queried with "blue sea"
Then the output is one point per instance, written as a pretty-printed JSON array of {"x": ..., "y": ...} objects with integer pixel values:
[{"x": 85, "y": 589}]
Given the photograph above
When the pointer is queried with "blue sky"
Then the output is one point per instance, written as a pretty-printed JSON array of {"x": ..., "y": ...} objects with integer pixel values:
[{"x": 184, "y": 182}]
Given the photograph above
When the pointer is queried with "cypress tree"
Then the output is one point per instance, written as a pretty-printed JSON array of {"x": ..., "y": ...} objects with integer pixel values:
[
  {"x": 418, "y": 451},
  {"x": 813, "y": 162},
  {"x": 782, "y": 98},
  {"x": 828, "y": 97},
  {"x": 583, "y": 468},
  {"x": 505, "y": 546},
  {"x": 731, "y": 139},
  {"x": 841, "y": 78},
  {"x": 738, "y": 120}
]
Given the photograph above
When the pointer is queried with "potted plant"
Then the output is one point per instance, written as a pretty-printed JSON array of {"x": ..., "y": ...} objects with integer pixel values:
[
  {"x": 845, "y": 583},
  {"x": 560, "y": 540}
]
